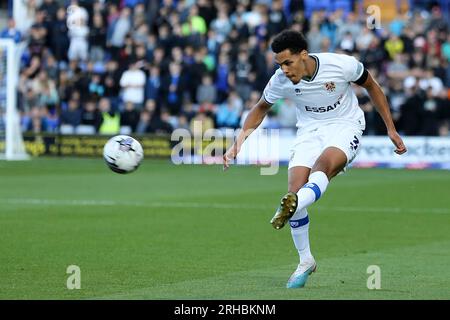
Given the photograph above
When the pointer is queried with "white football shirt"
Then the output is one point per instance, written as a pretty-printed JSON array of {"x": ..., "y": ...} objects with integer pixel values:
[{"x": 327, "y": 97}]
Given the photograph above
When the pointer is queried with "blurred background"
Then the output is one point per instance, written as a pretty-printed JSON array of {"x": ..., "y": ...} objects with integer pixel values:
[{"x": 149, "y": 67}]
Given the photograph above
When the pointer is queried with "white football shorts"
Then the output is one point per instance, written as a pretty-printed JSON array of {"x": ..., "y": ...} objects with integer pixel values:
[{"x": 309, "y": 145}]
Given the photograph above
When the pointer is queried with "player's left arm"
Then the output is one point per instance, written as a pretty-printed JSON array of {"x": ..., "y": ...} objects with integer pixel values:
[{"x": 380, "y": 102}]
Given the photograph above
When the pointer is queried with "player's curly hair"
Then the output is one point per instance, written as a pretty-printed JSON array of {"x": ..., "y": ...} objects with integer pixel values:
[{"x": 289, "y": 39}]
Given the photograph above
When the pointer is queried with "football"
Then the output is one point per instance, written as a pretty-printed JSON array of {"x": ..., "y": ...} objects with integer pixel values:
[{"x": 123, "y": 154}]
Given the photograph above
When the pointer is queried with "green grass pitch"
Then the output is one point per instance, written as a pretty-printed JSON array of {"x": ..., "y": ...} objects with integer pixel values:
[{"x": 195, "y": 232}]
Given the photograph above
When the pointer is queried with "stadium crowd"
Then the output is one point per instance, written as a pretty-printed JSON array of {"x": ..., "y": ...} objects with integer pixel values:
[{"x": 153, "y": 66}]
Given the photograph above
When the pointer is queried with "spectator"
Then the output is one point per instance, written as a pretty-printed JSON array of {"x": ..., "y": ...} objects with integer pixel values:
[
  {"x": 396, "y": 26},
  {"x": 207, "y": 91},
  {"x": 352, "y": 25},
  {"x": 411, "y": 113},
  {"x": 277, "y": 18},
  {"x": 221, "y": 25},
  {"x": 51, "y": 66},
  {"x": 347, "y": 43},
  {"x": 364, "y": 40},
  {"x": 195, "y": 23},
  {"x": 111, "y": 79},
  {"x": 242, "y": 75},
  {"x": 36, "y": 44},
  {"x": 172, "y": 89},
  {"x": 183, "y": 122},
  {"x": 97, "y": 39},
  {"x": 27, "y": 99},
  {"x": 144, "y": 120},
  {"x": 50, "y": 9},
  {"x": 71, "y": 116},
  {"x": 96, "y": 87},
  {"x": 446, "y": 49},
  {"x": 47, "y": 89},
  {"x": 118, "y": 29},
  {"x": 222, "y": 76},
  {"x": 164, "y": 126},
  {"x": 90, "y": 116},
  {"x": 397, "y": 71},
  {"x": 36, "y": 122},
  {"x": 25, "y": 18},
  {"x": 132, "y": 83},
  {"x": 229, "y": 112},
  {"x": 430, "y": 116},
  {"x": 253, "y": 99},
  {"x": 78, "y": 34},
  {"x": 200, "y": 123},
  {"x": 153, "y": 84},
  {"x": 314, "y": 39},
  {"x": 59, "y": 38},
  {"x": 130, "y": 116},
  {"x": 110, "y": 119},
  {"x": 150, "y": 122},
  {"x": 11, "y": 32},
  {"x": 374, "y": 55},
  {"x": 286, "y": 114},
  {"x": 394, "y": 45},
  {"x": 195, "y": 72},
  {"x": 431, "y": 81},
  {"x": 48, "y": 97}
]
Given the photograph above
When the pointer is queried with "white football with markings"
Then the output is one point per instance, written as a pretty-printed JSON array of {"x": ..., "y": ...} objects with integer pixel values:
[{"x": 123, "y": 154}]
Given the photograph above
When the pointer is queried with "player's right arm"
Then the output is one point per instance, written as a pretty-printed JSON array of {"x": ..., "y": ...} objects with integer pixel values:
[{"x": 253, "y": 120}]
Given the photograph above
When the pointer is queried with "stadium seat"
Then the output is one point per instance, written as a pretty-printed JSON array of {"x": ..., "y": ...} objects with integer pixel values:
[
  {"x": 316, "y": 5},
  {"x": 125, "y": 130},
  {"x": 66, "y": 129},
  {"x": 345, "y": 5},
  {"x": 85, "y": 129}
]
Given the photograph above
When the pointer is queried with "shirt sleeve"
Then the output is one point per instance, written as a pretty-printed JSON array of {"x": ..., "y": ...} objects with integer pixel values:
[
  {"x": 273, "y": 90},
  {"x": 124, "y": 81},
  {"x": 353, "y": 69}
]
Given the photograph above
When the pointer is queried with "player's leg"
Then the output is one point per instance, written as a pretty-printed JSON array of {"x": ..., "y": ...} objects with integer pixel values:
[
  {"x": 303, "y": 155},
  {"x": 329, "y": 164},
  {"x": 332, "y": 161},
  {"x": 299, "y": 222},
  {"x": 305, "y": 151},
  {"x": 338, "y": 152},
  {"x": 297, "y": 176}
]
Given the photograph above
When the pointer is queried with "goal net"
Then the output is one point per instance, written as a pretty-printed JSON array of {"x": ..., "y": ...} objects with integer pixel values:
[{"x": 11, "y": 140}]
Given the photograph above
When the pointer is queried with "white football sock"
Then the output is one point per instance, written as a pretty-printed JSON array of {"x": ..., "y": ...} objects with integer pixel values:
[
  {"x": 311, "y": 191},
  {"x": 299, "y": 231}
]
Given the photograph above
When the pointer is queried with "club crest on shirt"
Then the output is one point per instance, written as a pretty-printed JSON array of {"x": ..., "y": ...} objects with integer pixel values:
[{"x": 330, "y": 86}]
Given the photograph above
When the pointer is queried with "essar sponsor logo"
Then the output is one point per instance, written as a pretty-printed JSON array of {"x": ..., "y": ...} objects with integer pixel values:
[{"x": 323, "y": 109}]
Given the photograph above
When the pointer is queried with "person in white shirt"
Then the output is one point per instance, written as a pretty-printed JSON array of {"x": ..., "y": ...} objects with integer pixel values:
[
  {"x": 133, "y": 84},
  {"x": 77, "y": 23},
  {"x": 330, "y": 126}
]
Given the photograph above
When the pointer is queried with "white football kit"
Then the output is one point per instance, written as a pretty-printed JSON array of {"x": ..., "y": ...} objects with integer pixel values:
[{"x": 328, "y": 114}]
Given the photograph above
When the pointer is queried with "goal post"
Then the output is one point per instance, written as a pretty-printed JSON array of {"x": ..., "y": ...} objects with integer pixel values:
[{"x": 11, "y": 139}]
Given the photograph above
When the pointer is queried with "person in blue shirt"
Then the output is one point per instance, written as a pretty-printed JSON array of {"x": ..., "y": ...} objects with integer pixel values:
[{"x": 11, "y": 32}]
